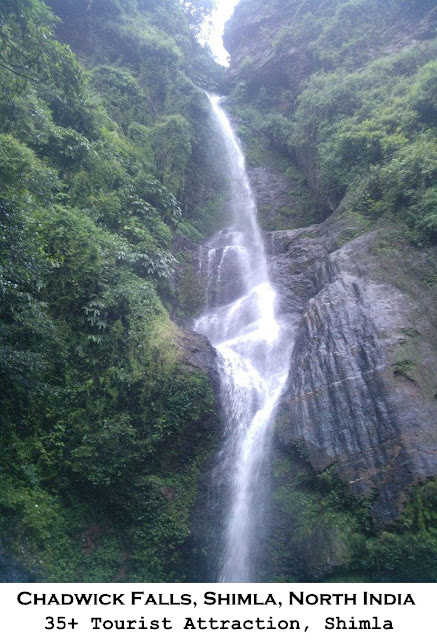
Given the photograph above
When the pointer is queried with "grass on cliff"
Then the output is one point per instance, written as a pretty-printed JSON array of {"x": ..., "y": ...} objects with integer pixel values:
[{"x": 363, "y": 120}]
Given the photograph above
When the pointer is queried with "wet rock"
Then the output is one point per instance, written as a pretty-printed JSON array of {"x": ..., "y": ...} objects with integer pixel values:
[
  {"x": 359, "y": 395},
  {"x": 296, "y": 279},
  {"x": 187, "y": 296},
  {"x": 278, "y": 199},
  {"x": 199, "y": 355}
]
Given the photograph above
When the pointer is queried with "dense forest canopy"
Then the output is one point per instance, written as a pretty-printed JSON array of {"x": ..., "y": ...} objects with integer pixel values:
[{"x": 101, "y": 158}]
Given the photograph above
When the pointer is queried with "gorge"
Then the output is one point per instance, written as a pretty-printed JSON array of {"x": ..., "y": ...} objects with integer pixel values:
[{"x": 218, "y": 316}]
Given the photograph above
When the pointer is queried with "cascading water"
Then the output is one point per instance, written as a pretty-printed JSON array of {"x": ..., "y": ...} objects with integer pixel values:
[{"x": 254, "y": 352}]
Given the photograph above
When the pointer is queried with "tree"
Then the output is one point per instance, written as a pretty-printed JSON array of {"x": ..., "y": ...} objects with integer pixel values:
[
  {"x": 198, "y": 11},
  {"x": 29, "y": 51}
]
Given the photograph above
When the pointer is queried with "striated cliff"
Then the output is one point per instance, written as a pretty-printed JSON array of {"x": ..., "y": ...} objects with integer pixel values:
[{"x": 361, "y": 392}]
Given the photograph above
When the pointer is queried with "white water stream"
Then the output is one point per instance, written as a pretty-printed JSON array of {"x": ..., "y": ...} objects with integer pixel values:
[{"x": 254, "y": 351}]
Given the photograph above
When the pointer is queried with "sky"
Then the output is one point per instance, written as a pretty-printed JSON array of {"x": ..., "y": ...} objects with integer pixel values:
[{"x": 225, "y": 9}]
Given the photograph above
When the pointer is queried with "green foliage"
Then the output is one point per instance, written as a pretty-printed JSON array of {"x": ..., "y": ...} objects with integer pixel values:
[
  {"x": 28, "y": 50},
  {"x": 364, "y": 121},
  {"x": 319, "y": 521},
  {"x": 171, "y": 142},
  {"x": 326, "y": 533},
  {"x": 408, "y": 553},
  {"x": 283, "y": 40},
  {"x": 123, "y": 98},
  {"x": 104, "y": 424}
]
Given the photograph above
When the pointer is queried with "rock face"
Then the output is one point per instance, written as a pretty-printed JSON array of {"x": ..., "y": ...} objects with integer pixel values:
[
  {"x": 361, "y": 392},
  {"x": 199, "y": 356},
  {"x": 250, "y": 38},
  {"x": 278, "y": 199}
]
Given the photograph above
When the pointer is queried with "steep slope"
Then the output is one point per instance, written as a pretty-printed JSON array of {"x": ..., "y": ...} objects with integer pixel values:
[
  {"x": 108, "y": 407},
  {"x": 337, "y": 97}
]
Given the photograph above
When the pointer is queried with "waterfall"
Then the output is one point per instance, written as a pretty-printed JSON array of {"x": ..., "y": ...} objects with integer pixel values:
[{"x": 254, "y": 350}]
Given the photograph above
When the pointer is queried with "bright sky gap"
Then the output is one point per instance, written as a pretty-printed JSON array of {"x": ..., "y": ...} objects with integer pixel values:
[{"x": 222, "y": 13}]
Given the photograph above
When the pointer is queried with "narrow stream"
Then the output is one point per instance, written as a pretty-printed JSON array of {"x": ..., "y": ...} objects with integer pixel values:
[{"x": 254, "y": 351}]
